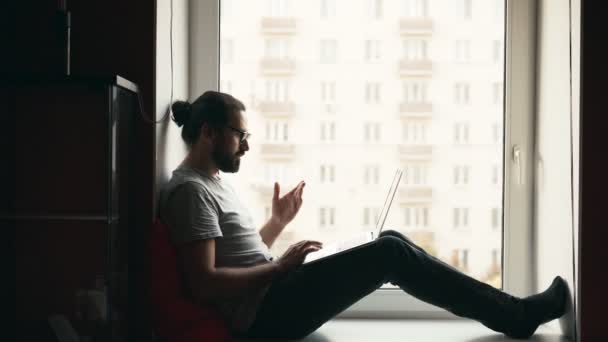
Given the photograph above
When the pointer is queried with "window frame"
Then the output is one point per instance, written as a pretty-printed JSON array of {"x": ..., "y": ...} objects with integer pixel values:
[{"x": 519, "y": 86}]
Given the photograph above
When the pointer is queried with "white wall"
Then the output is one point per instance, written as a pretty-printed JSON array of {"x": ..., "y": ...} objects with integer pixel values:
[
  {"x": 553, "y": 240},
  {"x": 169, "y": 147}
]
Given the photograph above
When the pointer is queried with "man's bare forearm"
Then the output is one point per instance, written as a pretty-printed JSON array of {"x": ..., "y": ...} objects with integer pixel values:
[
  {"x": 270, "y": 231},
  {"x": 225, "y": 283}
]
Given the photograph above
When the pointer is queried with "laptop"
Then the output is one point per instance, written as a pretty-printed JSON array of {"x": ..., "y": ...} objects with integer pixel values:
[{"x": 364, "y": 238}]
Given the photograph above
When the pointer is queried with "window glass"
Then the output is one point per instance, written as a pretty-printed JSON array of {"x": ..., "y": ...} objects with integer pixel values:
[{"x": 380, "y": 85}]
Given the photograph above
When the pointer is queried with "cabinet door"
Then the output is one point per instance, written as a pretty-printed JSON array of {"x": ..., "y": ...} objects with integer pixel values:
[{"x": 58, "y": 158}]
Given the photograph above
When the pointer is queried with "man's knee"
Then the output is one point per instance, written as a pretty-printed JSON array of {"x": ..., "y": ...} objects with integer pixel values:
[
  {"x": 390, "y": 232},
  {"x": 398, "y": 235},
  {"x": 392, "y": 246}
]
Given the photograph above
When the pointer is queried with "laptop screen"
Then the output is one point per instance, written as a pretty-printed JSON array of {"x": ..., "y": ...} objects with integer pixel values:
[{"x": 388, "y": 200}]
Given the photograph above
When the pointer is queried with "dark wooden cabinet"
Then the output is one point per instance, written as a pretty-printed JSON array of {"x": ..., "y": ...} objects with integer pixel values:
[{"x": 65, "y": 163}]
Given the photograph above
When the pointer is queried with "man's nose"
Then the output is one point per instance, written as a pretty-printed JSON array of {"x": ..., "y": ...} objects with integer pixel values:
[{"x": 245, "y": 145}]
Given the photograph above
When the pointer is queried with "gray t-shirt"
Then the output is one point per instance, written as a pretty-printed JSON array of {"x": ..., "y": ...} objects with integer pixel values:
[{"x": 197, "y": 207}]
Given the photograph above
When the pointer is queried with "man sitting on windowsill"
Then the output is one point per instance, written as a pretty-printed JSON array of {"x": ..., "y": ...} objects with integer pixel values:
[{"x": 225, "y": 260}]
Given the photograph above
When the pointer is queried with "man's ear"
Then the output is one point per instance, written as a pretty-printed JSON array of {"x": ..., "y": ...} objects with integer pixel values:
[{"x": 207, "y": 133}]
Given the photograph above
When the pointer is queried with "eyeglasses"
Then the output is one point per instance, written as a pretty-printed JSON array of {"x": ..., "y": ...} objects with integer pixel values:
[{"x": 243, "y": 135}]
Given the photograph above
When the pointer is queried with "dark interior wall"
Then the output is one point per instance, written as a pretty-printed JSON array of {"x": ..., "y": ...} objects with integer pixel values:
[
  {"x": 109, "y": 37},
  {"x": 594, "y": 169}
]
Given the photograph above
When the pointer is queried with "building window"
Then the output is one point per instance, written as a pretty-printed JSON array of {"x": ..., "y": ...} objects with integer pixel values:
[
  {"x": 371, "y": 132},
  {"x": 328, "y": 92},
  {"x": 277, "y": 91},
  {"x": 372, "y": 92},
  {"x": 462, "y": 51},
  {"x": 328, "y": 9},
  {"x": 328, "y": 131},
  {"x": 327, "y": 217},
  {"x": 416, "y": 217},
  {"x": 415, "y": 8},
  {"x": 277, "y": 48},
  {"x": 460, "y": 217},
  {"x": 372, "y": 51},
  {"x": 375, "y": 9},
  {"x": 461, "y": 174},
  {"x": 497, "y": 93},
  {"x": 414, "y": 132},
  {"x": 415, "y": 49},
  {"x": 465, "y": 8},
  {"x": 460, "y": 258},
  {"x": 278, "y": 8},
  {"x": 415, "y": 92},
  {"x": 277, "y": 131},
  {"x": 227, "y": 51},
  {"x": 462, "y": 92},
  {"x": 327, "y": 173},
  {"x": 415, "y": 174},
  {"x": 371, "y": 174},
  {"x": 496, "y": 217},
  {"x": 461, "y": 133},
  {"x": 329, "y": 51}
]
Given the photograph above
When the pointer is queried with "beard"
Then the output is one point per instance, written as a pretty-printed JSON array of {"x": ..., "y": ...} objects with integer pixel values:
[{"x": 226, "y": 161}]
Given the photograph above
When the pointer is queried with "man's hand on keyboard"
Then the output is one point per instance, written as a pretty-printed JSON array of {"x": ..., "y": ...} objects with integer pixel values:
[{"x": 296, "y": 253}]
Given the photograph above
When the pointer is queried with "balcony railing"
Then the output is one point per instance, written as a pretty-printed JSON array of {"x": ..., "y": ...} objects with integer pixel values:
[
  {"x": 277, "y": 109},
  {"x": 415, "y": 152},
  {"x": 416, "y": 194},
  {"x": 420, "y": 67},
  {"x": 416, "y": 26},
  {"x": 416, "y": 110},
  {"x": 278, "y": 150},
  {"x": 279, "y": 25},
  {"x": 277, "y": 66}
]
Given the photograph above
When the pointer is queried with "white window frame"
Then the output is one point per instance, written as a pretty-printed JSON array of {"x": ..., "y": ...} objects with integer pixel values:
[{"x": 520, "y": 74}]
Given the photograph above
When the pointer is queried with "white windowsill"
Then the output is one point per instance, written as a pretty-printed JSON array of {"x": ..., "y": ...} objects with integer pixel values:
[{"x": 388, "y": 330}]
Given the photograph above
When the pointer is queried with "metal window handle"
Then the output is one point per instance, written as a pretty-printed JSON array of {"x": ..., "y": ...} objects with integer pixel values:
[{"x": 517, "y": 159}]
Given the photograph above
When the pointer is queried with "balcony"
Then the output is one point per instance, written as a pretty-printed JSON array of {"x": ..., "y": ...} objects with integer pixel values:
[
  {"x": 277, "y": 109},
  {"x": 278, "y": 151},
  {"x": 421, "y": 67},
  {"x": 415, "y": 152},
  {"x": 416, "y": 27},
  {"x": 279, "y": 25},
  {"x": 416, "y": 194},
  {"x": 277, "y": 66},
  {"x": 416, "y": 110}
]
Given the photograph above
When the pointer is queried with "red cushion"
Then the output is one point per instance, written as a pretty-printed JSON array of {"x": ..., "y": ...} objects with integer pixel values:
[{"x": 175, "y": 318}]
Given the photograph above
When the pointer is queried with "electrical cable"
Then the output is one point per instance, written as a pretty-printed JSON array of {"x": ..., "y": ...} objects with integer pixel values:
[{"x": 139, "y": 97}]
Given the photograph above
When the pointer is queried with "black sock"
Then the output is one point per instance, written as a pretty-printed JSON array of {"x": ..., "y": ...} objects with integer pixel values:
[{"x": 544, "y": 307}]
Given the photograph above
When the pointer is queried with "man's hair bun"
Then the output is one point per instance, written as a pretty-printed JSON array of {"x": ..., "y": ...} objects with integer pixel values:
[{"x": 181, "y": 112}]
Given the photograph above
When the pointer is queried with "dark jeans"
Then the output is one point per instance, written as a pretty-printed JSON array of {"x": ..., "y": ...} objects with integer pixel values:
[{"x": 302, "y": 301}]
